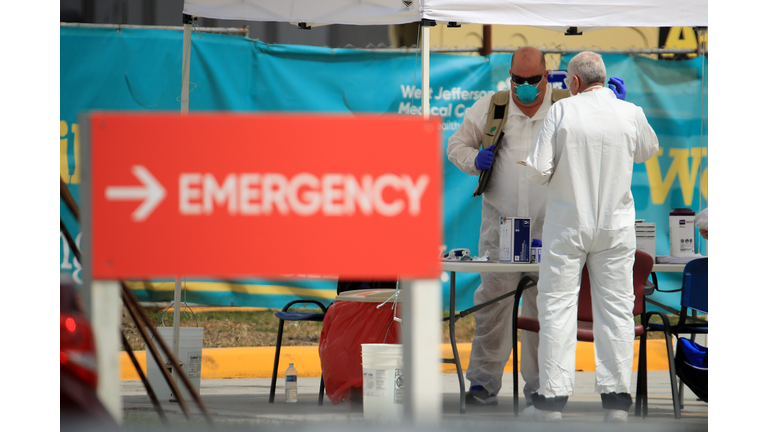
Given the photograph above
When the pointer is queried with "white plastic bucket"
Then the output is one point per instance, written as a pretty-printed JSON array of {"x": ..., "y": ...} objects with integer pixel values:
[
  {"x": 190, "y": 357},
  {"x": 383, "y": 394}
]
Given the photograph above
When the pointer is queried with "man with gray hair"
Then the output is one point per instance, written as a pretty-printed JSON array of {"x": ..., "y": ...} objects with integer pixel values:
[{"x": 584, "y": 155}]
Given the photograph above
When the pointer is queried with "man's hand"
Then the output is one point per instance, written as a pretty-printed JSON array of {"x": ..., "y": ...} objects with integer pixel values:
[
  {"x": 484, "y": 158},
  {"x": 617, "y": 85},
  {"x": 704, "y": 233}
]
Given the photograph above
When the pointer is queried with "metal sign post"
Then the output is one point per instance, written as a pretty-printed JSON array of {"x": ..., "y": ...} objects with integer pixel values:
[
  {"x": 422, "y": 357},
  {"x": 185, "y": 65}
]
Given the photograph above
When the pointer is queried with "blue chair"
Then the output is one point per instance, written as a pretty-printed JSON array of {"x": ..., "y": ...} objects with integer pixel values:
[
  {"x": 694, "y": 297},
  {"x": 285, "y": 315}
]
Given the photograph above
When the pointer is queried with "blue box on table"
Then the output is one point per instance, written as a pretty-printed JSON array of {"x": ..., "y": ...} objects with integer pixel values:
[{"x": 514, "y": 239}]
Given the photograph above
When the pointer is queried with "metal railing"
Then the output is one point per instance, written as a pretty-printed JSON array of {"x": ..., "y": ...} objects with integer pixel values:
[
  {"x": 232, "y": 31},
  {"x": 462, "y": 50},
  {"x": 243, "y": 31}
]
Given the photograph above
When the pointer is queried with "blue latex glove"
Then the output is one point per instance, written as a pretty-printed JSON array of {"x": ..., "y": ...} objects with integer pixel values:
[
  {"x": 617, "y": 85},
  {"x": 484, "y": 158}
]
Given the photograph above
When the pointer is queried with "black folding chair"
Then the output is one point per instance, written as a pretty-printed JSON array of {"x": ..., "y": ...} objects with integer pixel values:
[
  {"x": 285, "y": 315},
  {"x": 695, "y": 297}
]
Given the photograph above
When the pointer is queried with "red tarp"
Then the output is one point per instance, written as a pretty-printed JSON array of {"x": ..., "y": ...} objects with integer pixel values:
[{"x": 346, "y": 326}]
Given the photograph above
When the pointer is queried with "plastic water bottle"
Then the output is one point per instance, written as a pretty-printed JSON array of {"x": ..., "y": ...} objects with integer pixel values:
[{"x": 291, "y": 384}]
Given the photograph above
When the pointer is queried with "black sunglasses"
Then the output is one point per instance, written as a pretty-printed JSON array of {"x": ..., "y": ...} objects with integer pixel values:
[{"x": 531, "y": 80}]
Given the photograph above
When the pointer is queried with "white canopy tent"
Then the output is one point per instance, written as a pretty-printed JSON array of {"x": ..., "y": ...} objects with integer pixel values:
[
  {"x": 553, "y": 14},
  {"x": 423, "y": 400}
]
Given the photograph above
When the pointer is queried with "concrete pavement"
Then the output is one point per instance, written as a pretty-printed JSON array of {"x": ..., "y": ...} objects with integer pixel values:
[{"x": 243, "y": 404}]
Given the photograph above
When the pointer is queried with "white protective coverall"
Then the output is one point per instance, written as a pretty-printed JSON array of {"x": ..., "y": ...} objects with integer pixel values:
[
  {"x": 508, "y": 193},
  {"x": 584, "y": 153}
]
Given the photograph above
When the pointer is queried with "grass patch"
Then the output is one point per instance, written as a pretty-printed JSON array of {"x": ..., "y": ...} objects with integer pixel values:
[
  {"x": 231, "y": 329},
  {"x": 259, "y": 328}
]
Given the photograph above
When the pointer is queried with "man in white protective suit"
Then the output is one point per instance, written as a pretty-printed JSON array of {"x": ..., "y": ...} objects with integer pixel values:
[
  {"x": 584, "y": 155},
  {"x": 508, "y": 193}
]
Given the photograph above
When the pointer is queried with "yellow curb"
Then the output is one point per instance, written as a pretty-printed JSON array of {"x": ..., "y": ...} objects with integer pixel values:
[
  {"x": 257, "y": 362},
  {"x": 202, "y": 309}
]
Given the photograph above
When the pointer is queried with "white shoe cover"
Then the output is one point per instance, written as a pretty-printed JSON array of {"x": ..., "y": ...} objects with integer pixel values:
[
  {"x": 615, "y": 416},
  {"x": 541, "y": 416}
]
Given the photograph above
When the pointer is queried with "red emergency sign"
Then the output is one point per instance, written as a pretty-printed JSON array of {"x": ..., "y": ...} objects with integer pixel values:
[{"x": 236, "y": 195}]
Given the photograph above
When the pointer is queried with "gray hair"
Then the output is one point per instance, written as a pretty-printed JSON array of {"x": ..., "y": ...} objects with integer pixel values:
[{"x": 588, "y": 66}]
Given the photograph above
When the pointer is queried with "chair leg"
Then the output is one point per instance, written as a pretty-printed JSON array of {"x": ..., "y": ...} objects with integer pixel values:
[
  {"x": 645, "y": 378},
  {"x": 641, "y": 398},
  {"x": 277, "y": 361},
  {"x": 672, "y": 375},
  {"x": 454, "y": 348},
  {"x": 322, "y": 391},
  {"x": 681, "y": 394},
  {"x": 514, "y": 369}
]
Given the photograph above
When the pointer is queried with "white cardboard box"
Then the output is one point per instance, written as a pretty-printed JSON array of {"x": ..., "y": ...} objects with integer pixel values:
[{"x": 645, "y": 233}]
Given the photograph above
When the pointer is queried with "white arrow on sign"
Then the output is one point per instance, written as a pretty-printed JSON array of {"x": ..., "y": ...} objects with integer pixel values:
[{"x": 152, "y": 192}]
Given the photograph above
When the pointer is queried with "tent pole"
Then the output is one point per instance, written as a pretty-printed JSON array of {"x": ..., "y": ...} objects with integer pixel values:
[
  {"x": 187, "y": 51},
  {"x": 425, "y": 25},
  {"x": 421, "y": 312},
  {"x": 187, "y": 38}
]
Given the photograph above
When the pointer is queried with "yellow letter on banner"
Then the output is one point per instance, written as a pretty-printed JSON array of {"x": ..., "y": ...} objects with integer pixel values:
[
  {"x": 679, "y": 168},
  {"x": 63, "y": 155},
  {"x": 76, "y": 139},
  {"x": 63, "y": 165},
  {"x": 681, "y": 38}
]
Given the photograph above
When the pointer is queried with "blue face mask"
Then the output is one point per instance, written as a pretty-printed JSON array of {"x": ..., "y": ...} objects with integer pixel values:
[{"x": 526, "y": 93}]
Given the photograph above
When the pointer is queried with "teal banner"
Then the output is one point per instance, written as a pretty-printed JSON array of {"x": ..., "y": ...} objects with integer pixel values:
[{"x": 140, "y": 69}]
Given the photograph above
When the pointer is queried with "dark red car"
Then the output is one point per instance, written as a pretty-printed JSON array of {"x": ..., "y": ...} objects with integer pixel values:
[{"x": 80, "y": 406}]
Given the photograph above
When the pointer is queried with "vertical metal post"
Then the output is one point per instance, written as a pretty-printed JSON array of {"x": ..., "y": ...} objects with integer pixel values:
[
  {"x": 422, "y": 358},
  {"x": 487, "y": 48},
  {"x": 148, "y": 12},
  {"x": 176, "y": 328},
  {"x": 187, "y": 20},
  {"x": 85, "y": 211},
  {"x": 89, "y": 11},
  {"x": 187, "y": 51},
  {"x": 101, "y": 298},
  {"x": 425, "y": 25},
  {"x": 105, "y": 319}
]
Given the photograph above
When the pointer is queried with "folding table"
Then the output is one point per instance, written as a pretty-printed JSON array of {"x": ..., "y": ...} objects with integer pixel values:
[{"x": 497, "y": 267}]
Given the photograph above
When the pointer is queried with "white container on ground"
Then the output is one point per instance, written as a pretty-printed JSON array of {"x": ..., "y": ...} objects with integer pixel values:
[
  {"x": 190, "y": 357},
  {"x": 383, "y": 392}
]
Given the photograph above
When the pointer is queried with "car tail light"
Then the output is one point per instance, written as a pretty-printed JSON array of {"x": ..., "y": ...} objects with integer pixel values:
[{"x": 78, "y": 350}]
